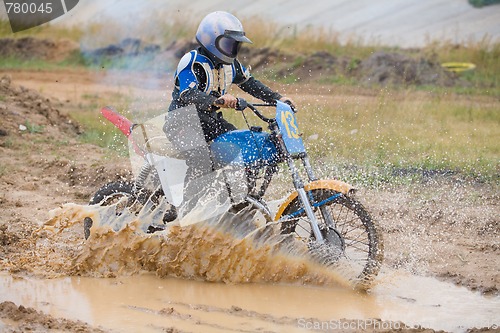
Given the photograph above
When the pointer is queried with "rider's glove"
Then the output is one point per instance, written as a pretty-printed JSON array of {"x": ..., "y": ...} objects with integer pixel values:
[{"x": 289, "y": 102}]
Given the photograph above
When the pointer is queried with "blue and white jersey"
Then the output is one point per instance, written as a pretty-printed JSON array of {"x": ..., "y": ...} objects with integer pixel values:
[{"x": 197, "y": 71}]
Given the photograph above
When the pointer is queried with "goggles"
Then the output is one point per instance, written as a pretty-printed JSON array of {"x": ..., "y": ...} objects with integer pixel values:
[{"x": 229, "y": 43}]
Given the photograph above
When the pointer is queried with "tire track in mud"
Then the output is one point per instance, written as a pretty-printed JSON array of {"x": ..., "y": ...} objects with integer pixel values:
[{"x": 237, "y": 319}]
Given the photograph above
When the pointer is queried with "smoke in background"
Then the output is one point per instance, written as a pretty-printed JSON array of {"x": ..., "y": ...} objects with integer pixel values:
[{"x": 131, "y": 43}]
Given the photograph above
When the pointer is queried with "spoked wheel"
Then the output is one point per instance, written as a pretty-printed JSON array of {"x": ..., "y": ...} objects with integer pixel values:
[{"x": 353, "y": 235}]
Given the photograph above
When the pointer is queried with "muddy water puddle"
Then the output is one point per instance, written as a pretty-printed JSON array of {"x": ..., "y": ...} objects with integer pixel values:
[
  {"x": 230, "y": 276},
  {"x": 146, "y": 303}
]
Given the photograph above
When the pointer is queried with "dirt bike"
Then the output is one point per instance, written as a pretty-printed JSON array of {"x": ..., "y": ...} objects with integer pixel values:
[{"x": 322, "y": 213}]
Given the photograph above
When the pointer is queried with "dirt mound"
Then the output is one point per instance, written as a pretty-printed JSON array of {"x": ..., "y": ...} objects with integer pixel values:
[
  {"x": 34, "y": 48},
  {"x": 258, "y": 58},
  {"x": 381, "y": 68},
  {"x": 26, "y": 110},
  {"x": 135, "y": 54},
  {"x": 43, "y": 164},
  {"x": 132, "y": 47},
  {"x": 396, "y": 69},
  {"x": 29, "y": 320}
]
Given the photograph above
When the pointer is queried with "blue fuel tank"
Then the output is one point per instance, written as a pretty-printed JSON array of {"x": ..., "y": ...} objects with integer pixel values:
[{"x": 244, "y": 147}]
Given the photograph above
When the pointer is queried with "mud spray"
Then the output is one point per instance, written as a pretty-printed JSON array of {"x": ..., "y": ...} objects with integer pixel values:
[{"x": 231, "y": 248}]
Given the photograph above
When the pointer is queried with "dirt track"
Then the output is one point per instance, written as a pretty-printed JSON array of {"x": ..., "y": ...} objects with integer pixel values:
[{"x": 445, "y": 227}]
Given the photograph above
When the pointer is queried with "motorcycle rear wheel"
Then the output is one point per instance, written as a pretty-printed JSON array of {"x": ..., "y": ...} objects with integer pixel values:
[
  {"x": 119, "y": 193},
  {"x": 111, "y": 193},
  {"x": 362, "y": 241}
]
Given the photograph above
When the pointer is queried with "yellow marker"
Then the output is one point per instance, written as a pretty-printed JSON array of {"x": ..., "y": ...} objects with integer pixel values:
[{"x": 458, "y": 67}]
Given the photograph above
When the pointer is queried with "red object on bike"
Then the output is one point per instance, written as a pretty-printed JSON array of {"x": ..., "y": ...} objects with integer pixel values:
[{"x": 123, "y": 124}]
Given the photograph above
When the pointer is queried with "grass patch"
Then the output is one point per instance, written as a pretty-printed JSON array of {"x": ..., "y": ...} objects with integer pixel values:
[
  {"x": 97, "y": 130},
  {"x": 100, "y": 132},
  {"x": 33, "y": 128},
  {"x": 406, "y": 130},
  {"x": 42, "y": 31},
  {"x": 304, "y": 40},
  {"x": 74, "y": 61},
  {"x": 410, "y": 134},
  {"x": 482, "y": 3}
]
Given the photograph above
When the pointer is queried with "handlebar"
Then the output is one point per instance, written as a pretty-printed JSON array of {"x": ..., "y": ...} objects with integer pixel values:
[{"x": 242, "y": 104}]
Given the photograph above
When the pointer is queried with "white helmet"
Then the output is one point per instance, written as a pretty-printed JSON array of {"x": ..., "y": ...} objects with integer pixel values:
[{"x": 221, "y": 34}]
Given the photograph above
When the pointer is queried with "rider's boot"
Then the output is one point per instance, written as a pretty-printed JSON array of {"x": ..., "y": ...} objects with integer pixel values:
[{"x": 170, "y": 215}]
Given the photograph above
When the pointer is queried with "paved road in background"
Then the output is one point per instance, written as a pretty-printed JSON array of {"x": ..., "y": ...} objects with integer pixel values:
[
  {"x": 396, "y": 22},
  {"x": 404, "y": 23}
]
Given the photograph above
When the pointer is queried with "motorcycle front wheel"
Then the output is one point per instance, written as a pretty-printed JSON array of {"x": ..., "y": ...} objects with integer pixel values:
[{"x": 354, "y": 234}]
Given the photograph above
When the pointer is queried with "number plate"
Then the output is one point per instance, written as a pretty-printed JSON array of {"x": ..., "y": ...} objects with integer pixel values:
[{"x": 289, "y": 129}]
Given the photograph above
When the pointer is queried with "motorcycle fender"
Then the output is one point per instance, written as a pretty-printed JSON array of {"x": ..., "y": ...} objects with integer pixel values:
[
  {"x": 172, "y": 173},
  {"x": 329, "y": 184}
]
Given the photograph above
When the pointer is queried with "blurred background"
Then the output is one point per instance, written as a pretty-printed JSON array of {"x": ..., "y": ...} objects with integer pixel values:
[{"x": 407, "y": 23}]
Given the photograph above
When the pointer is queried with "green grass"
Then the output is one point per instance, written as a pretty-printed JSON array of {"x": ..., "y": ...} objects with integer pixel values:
[
  {"x": 75, "y": 60},
  {"x": 96, "y": 129},
  {"x": 483, "y": 53},
  {"x": 3, "y": 170},
  {"x": 43, "y": 31},
  {"x": 408, "y": 132},
  {"x": 100, "y": 132},
  {"x": 33, "y": 128},
  {"x": 482, "y": 3}
]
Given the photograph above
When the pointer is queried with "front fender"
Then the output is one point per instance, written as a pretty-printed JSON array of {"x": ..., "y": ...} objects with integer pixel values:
[{"x": 327, "y": 184}]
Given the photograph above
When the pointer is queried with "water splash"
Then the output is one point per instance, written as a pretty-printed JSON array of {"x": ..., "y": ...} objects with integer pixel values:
[{"x": 234, "y": 247}]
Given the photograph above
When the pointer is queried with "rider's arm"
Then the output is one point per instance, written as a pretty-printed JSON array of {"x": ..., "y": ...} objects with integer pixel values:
[
  {"x": 197, "y": 97},
  {"x": 259, "y": 90},
  {"x": 252, "y": 86}
]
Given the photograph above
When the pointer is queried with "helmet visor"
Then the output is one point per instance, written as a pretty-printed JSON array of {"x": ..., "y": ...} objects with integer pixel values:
[{"x": 228, "y": 46}]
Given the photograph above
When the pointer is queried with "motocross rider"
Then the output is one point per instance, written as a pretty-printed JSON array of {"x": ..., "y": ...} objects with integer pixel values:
[
  {"x": 204, "y": 75},
  {"x": 203, "y": 78}
]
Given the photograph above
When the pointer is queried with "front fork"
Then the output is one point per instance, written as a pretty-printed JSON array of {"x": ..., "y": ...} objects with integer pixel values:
[{"x": 299, "y": 186}]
